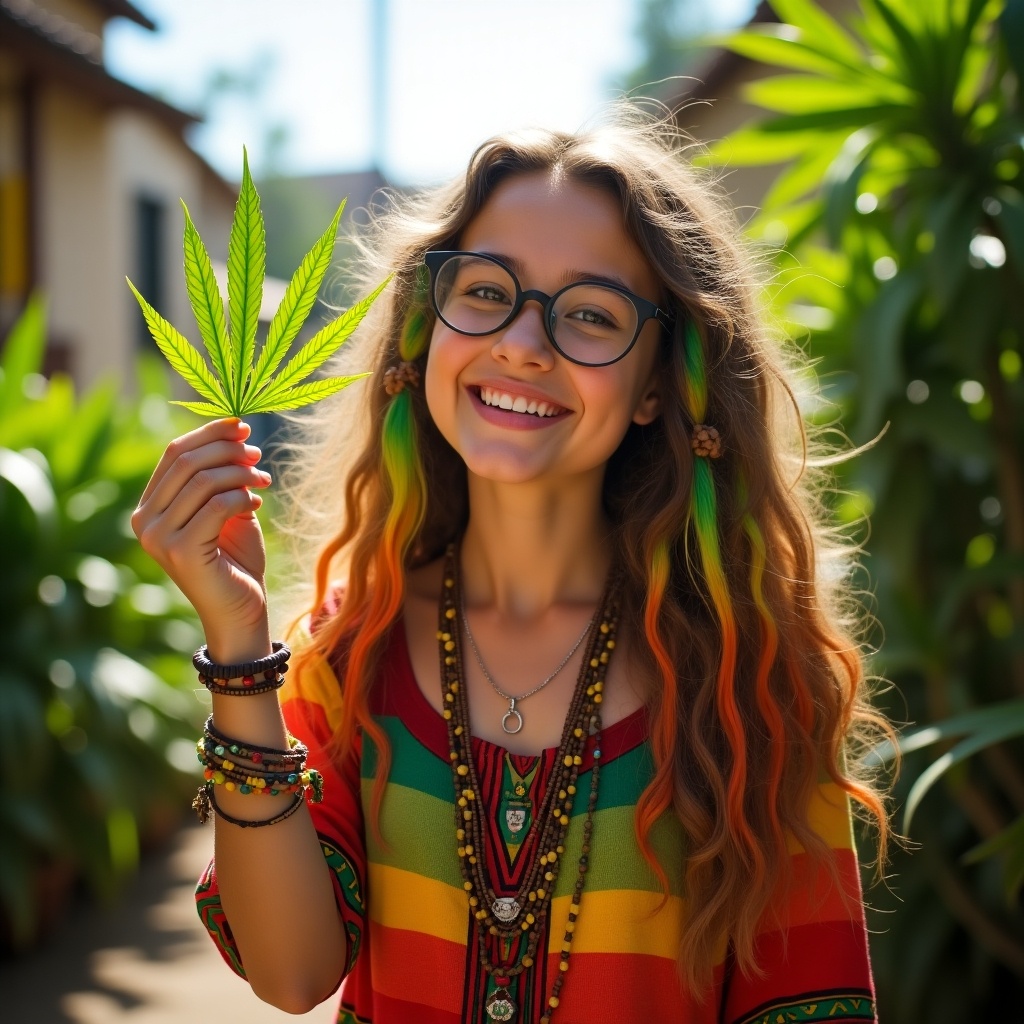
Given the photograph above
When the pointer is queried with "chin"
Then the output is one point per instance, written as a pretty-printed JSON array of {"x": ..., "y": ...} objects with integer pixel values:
[{"x": 504, "y": 467}]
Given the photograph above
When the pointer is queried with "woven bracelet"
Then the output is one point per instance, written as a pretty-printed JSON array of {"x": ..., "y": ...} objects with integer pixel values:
[
  {"x": 276, "y": 662},
  {"x": 300, "y": 799}
]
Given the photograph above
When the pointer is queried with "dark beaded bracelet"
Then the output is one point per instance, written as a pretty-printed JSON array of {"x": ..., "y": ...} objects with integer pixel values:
[
  {"x": 250, "y": 686},
  {"x": 300, "y": 799},
  {"x": 296, "y": 750},
  {"x": 276, "y": 662}
]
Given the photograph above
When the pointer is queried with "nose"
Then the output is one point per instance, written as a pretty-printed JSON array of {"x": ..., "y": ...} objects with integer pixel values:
[{"x": 525, "y": 341}]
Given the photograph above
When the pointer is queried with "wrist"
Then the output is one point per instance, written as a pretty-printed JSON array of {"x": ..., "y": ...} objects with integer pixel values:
[{"x": 235, "y": 647}]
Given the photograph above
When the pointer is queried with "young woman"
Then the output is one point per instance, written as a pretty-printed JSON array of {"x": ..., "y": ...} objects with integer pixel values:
[{"x": 586, "y": 701}]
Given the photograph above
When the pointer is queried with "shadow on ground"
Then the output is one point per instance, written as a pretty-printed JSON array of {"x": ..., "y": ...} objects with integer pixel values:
[{"x": 143, "y": 960}]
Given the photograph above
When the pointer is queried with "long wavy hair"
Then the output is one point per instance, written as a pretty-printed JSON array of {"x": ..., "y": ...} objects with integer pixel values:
[{"x": 736, "y": 582}]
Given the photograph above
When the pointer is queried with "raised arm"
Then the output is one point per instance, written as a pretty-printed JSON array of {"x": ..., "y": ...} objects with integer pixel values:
[{"x": 197, "y": 519}]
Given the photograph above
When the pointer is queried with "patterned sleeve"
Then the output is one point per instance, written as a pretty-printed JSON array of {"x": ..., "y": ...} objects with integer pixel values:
[
  {"x": 311, "y": 706},
  {"x": 815, "y": 954}
]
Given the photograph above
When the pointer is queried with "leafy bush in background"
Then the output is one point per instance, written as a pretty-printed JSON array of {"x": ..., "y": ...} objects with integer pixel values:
[
  {"x": 901, "y": 214},
  {"x": 98, "y": 714}
]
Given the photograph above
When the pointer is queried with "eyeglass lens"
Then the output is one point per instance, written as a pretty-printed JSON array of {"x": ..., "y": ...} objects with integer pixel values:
[{"x": 590, "y": 323}]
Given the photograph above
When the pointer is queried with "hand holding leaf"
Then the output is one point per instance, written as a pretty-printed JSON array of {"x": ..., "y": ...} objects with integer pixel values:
[{"x": 238, "y": 383}]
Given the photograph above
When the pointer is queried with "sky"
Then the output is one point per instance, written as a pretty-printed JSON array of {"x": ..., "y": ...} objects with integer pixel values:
[{"x": 456, "y": 72}]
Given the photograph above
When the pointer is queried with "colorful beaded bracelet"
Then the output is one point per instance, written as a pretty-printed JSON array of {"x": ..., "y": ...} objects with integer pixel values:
[
  {"x": 277, "y": 662},
  {"x": 283, "y": 775},
  {"x": 210, "y": 751},
  {"x": 211, "y": 802},
  {"x": 205, "y": 799},
  {"x": 251, "y": 784}
]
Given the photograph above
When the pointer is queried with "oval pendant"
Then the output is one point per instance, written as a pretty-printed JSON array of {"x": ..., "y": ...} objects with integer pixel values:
[
  {"x": 512, "y": 713},
  {"x": 517, "y": 725},
  {"x": 500, "y": 1005},
  {"x": 505, "y": 909}
]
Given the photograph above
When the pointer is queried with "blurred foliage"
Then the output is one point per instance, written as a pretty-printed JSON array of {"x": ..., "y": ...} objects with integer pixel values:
[
  {"x": 98, "y": 716},
  {"x": 899, "y": 214}
]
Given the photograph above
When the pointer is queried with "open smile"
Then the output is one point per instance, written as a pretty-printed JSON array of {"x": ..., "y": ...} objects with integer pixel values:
[
  {"x": 514, "y": 410},
  {"x": 498, "y": 399}
]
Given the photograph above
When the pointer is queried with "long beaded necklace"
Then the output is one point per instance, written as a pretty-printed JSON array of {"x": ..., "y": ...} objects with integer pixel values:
[{"x": 526, "y": 912}]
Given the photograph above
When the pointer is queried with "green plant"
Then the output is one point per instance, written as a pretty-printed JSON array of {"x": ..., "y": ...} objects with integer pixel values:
[
  {"x": 236, "y": 383},
  {"x": 900, "y": 212},
  {"x": 97, "y": 710}
]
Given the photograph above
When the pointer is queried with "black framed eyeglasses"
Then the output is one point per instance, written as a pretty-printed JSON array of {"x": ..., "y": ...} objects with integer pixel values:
[{"x": 591, "y": 323}]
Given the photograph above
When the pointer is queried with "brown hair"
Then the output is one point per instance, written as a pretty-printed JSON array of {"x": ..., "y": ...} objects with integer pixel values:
[{"x": 736, "y": 593}]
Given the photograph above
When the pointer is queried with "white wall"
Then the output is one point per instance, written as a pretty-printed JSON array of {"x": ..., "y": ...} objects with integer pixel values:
[
  {"x": 94, "y": 163},
  {"x": 76, "y": 250}
]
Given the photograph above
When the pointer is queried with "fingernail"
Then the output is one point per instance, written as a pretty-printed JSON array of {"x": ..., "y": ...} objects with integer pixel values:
[
  {"x": 266, "y": 476},
  {"x": 252, "y": 452}
]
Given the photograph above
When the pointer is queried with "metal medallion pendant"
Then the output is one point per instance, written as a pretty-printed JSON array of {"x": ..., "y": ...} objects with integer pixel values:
[
  {"x": 505, "y": 909},
  {"x": 512, "y": 720},
  {"x": 500, "y": 1005}
]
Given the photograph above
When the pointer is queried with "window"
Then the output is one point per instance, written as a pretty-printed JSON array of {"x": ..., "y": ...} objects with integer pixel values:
[{"x": 149, "y": 255}]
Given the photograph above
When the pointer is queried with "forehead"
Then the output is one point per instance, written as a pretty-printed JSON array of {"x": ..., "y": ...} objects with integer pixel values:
[{"x": 559, "y": 229}]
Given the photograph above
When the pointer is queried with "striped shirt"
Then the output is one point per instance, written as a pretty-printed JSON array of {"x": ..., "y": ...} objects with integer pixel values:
[{"x": 412, "y": 942}]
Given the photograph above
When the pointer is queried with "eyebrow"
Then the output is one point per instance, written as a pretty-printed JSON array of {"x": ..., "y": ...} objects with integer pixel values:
[{"x": 569, "y": 276}]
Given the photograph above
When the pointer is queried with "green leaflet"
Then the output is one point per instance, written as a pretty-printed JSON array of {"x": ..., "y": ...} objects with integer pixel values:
[
  {"x": 323, "y": 344},
  {"x": 247, "y": 264},
  {"x": 206, "y": 300},
  {"x": 180, "y": 354},
  {"x": 306, "y": 394},
  {"x": 203, "y": 408},
  {"x": 297, "y": 302},
  {"x": 239, "y": 383}
]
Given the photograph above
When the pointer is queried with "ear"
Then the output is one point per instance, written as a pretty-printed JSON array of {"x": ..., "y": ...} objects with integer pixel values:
[{"x": 648, "y": 408}]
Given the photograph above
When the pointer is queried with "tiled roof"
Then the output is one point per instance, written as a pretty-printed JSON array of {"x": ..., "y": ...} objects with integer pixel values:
[
  {"x": 54, "y": 29},
  {"x": 60, "y": 50}
]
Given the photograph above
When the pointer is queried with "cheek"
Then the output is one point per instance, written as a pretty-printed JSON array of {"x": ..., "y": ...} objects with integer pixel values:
[{"x": 445, "y": 360}]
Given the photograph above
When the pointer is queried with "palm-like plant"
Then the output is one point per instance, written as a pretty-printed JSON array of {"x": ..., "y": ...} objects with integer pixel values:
[
  {"x": 98, "y": 711},
  {"x": 901, "y": 216}
]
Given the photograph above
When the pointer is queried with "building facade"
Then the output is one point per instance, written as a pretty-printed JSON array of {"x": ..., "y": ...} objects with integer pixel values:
[{"x": 91, "y": 173}]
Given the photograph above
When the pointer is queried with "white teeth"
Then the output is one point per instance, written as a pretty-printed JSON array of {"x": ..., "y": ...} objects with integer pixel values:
[{"x": 503, "y": 400}]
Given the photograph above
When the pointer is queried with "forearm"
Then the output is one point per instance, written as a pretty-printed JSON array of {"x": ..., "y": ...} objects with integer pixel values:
[{"x": 275, "y": 885}]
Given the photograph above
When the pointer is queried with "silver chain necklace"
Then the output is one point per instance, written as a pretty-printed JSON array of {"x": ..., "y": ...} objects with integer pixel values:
[{"x": 513, "y": 711}]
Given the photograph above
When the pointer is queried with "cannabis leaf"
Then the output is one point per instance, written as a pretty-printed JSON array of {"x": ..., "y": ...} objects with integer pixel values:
[{"x": 239, "y": 383}]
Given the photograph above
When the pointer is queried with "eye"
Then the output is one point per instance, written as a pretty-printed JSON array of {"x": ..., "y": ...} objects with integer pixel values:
[
  {"x": 592, "y": 316},
  {"x": 488, "y": 293},
  {"x": 594, "y": 310}
]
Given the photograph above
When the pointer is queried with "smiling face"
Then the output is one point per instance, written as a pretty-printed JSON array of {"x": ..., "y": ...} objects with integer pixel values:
[{"x": 510, "y": 405}]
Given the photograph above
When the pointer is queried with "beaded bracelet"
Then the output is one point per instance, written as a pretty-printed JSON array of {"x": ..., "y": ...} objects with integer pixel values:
[
  {"x": 216, "y": 677},
  {"x": 249, "y": 688},
  {"x": 233, "y": 780},
  {"x": 205, "y": 799},
  {"x": 241, "y": 822},
  {"x": 257, "y": 755},
  {"x": 282, "y": 776},
  {"x": 218, "y": 757},
  {"x": 285, "y": 775},
  {"x": 268, "y": 771}
]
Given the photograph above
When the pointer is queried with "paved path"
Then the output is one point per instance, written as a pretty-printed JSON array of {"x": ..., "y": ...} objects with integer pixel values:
[{"x": 145, "y": 960}]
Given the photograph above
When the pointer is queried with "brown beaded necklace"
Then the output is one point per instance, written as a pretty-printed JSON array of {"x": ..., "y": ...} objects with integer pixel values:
[{"x": 527, "y": 910}]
